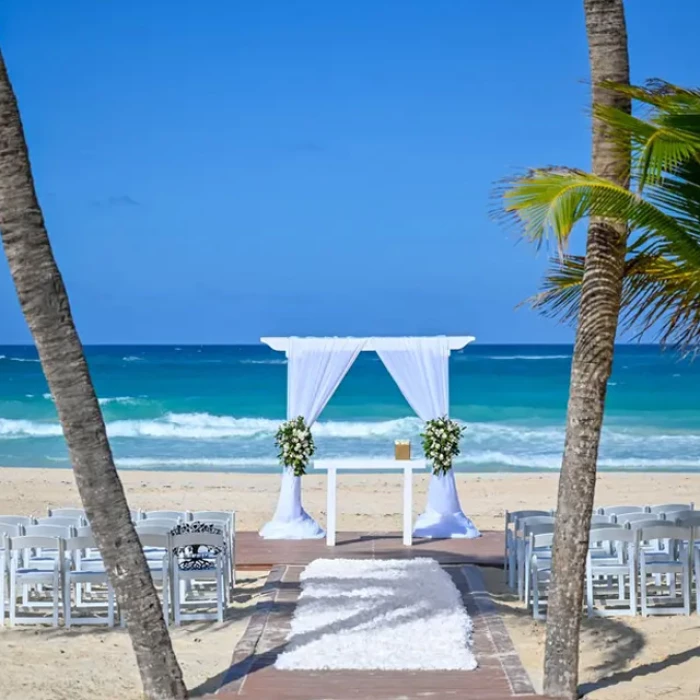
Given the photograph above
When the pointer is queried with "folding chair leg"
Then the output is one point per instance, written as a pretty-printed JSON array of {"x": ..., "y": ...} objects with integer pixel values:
[
  {"x": 56, "y": 597},
  {"x": 589, "y": 586},
  {"x": 526, "y": 592},
  {"x": 643, "y": 587},
  {"x": 685, "y": 587},
  {"x": 67, "y": 613},
  {"x": 177, "y": 598},
  {"x": 512, "y": 567},
  {"x": 13, "y": 600},
  {"x": 2, "y": 597},
  {"x": 220, "y": 588},
  {"x": 535, "y": 596},
  {"x": 110, "y": 605},
  {"x": 166, "y": 600},
  {"x": 633, "y": 588}
]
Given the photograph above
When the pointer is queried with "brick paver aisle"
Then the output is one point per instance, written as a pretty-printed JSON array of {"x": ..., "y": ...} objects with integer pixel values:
[{"x": 252, "y": 675}]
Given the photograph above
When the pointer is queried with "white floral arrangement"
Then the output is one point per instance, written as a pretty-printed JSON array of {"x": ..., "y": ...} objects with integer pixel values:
[
  {"x": 296, "y": 445},
  {"x": 441, "y": 442}
]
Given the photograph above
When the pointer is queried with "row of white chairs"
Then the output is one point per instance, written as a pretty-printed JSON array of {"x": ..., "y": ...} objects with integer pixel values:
[
  {"x": 623, "y": 560},
  {"x": 514, "y": 521},
  {"x": 521, "y": 526},
  {"x": 76, "y": 517},
  {"x": 59, "y": 552}
]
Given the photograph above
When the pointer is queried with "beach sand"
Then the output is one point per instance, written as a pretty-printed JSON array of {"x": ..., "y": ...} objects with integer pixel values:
[
  {"x": 371, "y": 502},
  {"x": 46, "y": 663},
  {"x": 622, "y": 658},
  {"x": 85, "y": 663}
]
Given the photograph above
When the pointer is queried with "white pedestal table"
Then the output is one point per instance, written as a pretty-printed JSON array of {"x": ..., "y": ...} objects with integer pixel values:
[{"x": 407, "y": 466}]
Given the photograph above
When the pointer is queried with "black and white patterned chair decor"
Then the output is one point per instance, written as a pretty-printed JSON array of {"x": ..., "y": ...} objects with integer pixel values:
[{"x": 196, "y": 557}]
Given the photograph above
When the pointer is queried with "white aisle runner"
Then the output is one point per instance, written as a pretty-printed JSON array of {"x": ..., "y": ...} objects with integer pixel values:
[{"x": 371, "y": 614}]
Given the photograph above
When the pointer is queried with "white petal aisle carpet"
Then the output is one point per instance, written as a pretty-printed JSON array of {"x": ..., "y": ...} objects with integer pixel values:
[{"x": 400, "y": 614}]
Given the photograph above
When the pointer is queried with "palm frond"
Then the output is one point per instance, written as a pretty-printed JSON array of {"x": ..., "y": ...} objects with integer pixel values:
[
  {"x": 661, "y": 288},
  {"x": 553, "y": 201},
  {"x": 661, "y": 296}
]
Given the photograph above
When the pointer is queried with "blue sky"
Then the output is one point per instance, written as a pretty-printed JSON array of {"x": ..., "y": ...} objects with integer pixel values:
[{"x": 213, "y": 172}]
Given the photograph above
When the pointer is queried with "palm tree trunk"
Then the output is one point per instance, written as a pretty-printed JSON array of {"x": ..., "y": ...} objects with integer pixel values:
[
  {"x": 592, "y": 362},
  {"x": 44, "y": 303}
]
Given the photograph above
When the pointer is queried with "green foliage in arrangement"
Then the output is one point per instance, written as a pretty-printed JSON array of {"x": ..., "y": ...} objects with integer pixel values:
[
  {"x": 661, "y": 290},
  {"x": 441, "y": 443},
  {"x": 296, "y": 445}
]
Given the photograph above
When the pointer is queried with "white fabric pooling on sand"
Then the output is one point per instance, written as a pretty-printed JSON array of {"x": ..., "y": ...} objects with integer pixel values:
[{"x": 382, "y": 615}]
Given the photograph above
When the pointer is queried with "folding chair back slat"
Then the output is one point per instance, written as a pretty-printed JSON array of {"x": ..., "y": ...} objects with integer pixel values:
[
  {"x": 65, "y": 512},
  {"x": 620, "y": 510},
  {"x": 35, "y": 542},
  {"x": 671, "y": 507},
  {"x": 17, "y": 519},
  {"x": 689, "y": 518},
  {"x": 638, "y": 517},
  {"x": 62, "y": 521},
  {"x": 177, "y": 515},
  {"x": 48, "y": 531}
]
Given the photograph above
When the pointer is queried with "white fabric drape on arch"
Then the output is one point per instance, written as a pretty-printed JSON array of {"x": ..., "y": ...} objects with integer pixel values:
[
  {"x": 315, "y": 368},
  {"x": 420, "y": 368}
]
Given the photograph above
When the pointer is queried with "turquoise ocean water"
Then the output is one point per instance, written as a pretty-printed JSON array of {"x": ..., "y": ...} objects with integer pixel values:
[{"x": 217, "y": 408}]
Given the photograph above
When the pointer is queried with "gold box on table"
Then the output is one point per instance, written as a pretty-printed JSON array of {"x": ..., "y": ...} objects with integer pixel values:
[{"x": 402, "y": 449}]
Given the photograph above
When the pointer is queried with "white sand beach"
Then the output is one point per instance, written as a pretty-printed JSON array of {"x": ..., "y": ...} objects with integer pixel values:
[
  {"x": 651, "y": 658},
  {"x": 369, "y": 502}
]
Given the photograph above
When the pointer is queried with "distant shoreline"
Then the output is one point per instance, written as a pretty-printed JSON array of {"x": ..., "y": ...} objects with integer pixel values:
[{"x": 496, "y": 471}]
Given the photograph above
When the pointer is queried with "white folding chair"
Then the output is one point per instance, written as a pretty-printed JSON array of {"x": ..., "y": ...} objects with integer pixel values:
[
  {"x": 207, "y": 565},
  {"x": 520, "y": 528},
  {"x": 673, "y": 562},
  {"x": 7, "y": 530},
  {"x": 158, "y": 543},
  {"x": 692, "y": 519},
  {"x": 600, "y": 565},
  {"x": 24, "y": 574},
  {"x": 540, "y": 568},
  {"x": 535, "y": 552},
  {"x": 509, "y": 553},
  {"x": 78, "y": 575},
  {"x": 229, "y": 518}
]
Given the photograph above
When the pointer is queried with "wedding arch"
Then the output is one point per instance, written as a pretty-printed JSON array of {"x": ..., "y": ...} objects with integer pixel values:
[{"x": 420, "y": 368}]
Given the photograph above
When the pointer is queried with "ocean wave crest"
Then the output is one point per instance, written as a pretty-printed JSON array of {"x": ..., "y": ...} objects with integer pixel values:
[
  {"x": 528, "y": 357},
  {"x": 132, "y": 358},
  {"x": 204, "y": 426},
  {"x": 127, "y": 400},
  {"x": 263, "y": 362},
  {"x": 19, "y": 359}
]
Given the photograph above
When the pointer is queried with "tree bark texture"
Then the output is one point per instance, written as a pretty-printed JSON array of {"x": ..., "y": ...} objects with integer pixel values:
[
  {"x": 592, "y": 361},
  {"x": 44, "y": 302}
]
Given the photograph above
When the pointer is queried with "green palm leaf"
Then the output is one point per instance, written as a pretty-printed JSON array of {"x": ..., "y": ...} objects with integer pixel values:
[{"x": 661, "y": 292}]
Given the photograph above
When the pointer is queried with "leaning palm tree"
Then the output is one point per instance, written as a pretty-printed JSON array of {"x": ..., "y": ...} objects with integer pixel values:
[
  {"x": 44, "y": 302},
  {"x": 661, "y": 288},
  {"x": 591, "y": 366}
]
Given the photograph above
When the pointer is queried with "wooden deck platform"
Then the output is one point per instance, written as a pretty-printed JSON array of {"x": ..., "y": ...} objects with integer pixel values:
[
  {"x": 500, "y": 675},
  {"x": 253, "y": 552}
]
